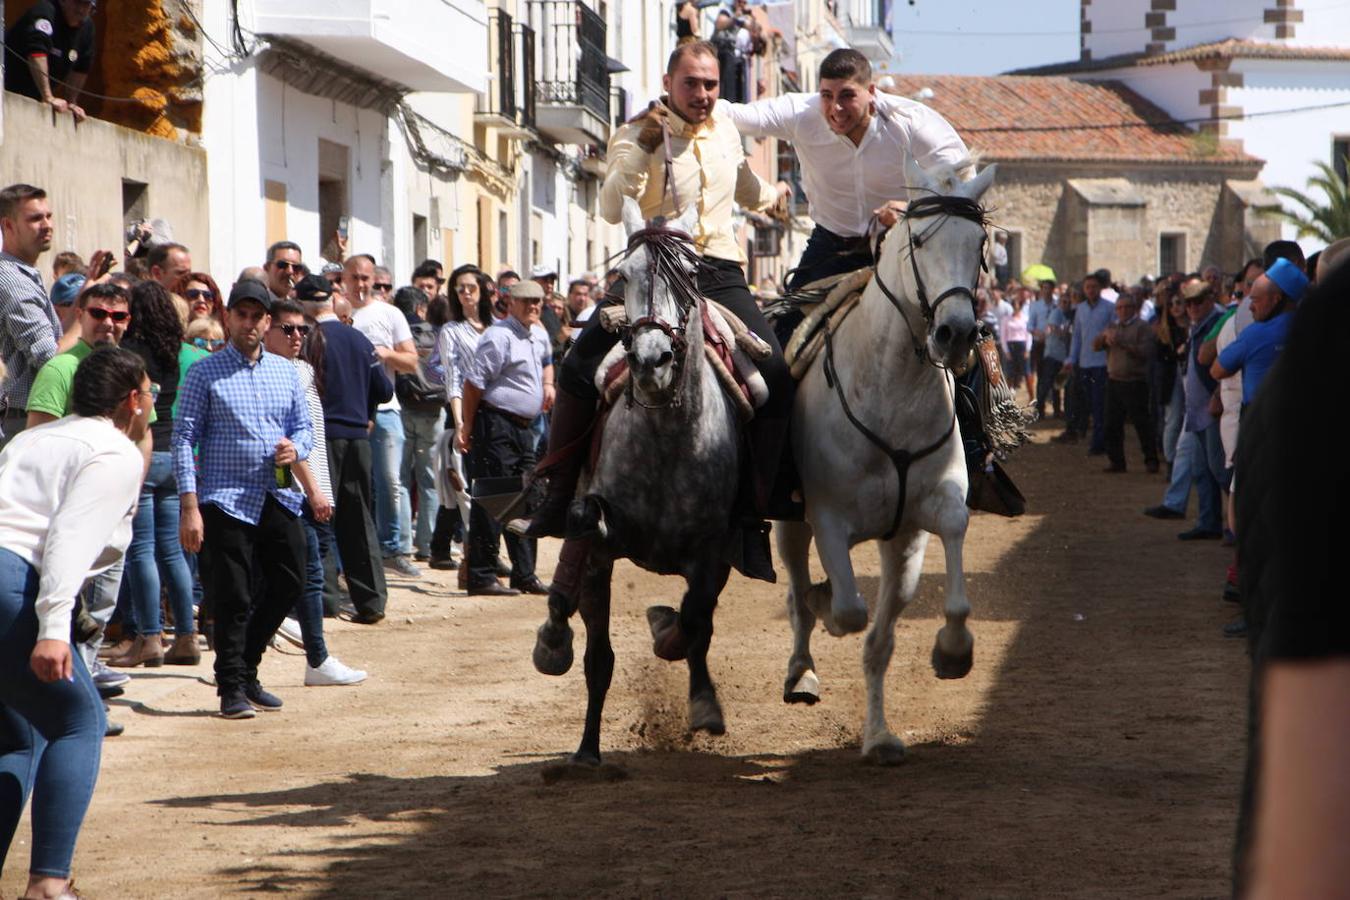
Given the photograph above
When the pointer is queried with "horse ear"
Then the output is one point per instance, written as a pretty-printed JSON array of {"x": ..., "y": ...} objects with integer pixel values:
[
  {"x": 632, "y": 216},
  {"x": 688, "y": 219},
  {"x": 975, "y": 187},
  {"x": 918, "y": 179}
]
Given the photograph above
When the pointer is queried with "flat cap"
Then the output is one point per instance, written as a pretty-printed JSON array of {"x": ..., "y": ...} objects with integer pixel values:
[{"x": 526, "y": 290}]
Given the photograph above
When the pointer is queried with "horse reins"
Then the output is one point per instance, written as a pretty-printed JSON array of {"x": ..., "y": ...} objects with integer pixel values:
[{"x": 902, "y": 459}]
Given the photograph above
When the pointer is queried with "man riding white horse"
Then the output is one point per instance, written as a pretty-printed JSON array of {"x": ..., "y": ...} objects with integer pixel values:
[
  {"x": 856, "y": 146},
  {"x": 853, "y": 144},
  {"x": 684, "y": 150}
]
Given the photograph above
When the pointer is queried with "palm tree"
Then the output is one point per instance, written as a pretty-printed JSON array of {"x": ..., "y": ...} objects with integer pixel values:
[{"x": 1325, "y": 221}]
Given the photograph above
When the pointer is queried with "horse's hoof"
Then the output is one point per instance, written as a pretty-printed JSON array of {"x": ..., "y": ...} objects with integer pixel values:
[
  {"x": 952, "y": 665},
  {"x": 588, "y": 769},
  {"x": 668, "y": 641},
  {"x": 889, "y": 751},
  {"x": 705, "y": 714},
  {"x": 805, "y": 689},
  {"x": 848, "y": 619},
  {"x": 553, "y": 649}
]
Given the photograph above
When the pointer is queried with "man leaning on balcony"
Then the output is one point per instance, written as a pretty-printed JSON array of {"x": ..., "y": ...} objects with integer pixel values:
[{"x": 52, "y": 46}]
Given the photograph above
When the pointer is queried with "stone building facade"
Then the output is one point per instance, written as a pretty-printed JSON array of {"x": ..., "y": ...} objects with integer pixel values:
[{"x": 1142, "y": 197}]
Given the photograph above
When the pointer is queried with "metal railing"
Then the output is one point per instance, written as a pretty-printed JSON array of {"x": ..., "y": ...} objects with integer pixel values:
[
  {"x": 500, "y": 98},
  {"x": 511, "y": 49},
  {"x": 573, "y": 64}
]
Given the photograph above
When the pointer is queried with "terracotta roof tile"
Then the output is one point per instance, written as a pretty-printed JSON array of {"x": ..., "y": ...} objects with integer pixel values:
[
  {"x": 1010, "y": 117},
  {"x": 1229, "y": 48}
]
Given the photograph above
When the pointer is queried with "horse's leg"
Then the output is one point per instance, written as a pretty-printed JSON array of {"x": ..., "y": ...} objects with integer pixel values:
[
  {"x": 901, "y": 564},
  {"x": 954, "y": 649},
  {"x": 706, "y": 581},
  {"x": 599, "y": 658},
  {"x": 553, "y": 642},
  {"x": 847, "y": 612},
  {"x": 794, "y": 547}
]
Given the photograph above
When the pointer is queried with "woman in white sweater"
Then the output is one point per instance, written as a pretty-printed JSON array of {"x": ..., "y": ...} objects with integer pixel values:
[{"x": 67, "y": 493}]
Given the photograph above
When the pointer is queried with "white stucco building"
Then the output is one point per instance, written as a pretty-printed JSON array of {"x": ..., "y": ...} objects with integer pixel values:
[{"x": 1271, "y": 77}]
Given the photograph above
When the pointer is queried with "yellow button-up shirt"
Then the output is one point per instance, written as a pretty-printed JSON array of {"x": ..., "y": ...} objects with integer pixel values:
[{"x": 710, "y": 169}]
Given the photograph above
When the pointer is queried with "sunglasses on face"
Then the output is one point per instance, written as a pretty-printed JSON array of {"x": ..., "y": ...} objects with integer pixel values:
[
  {"x": 465, "y": 288},
  {"x": 153, "y": 390},
  {"x": 99, "y": 314},
  {"x": 198, "y": 294},
  {"x": 293, "y": 330},
  {"x": 382, "y": 286},
  {"x": 284, "y": 264},
  {"x": 209, "y": 344}
]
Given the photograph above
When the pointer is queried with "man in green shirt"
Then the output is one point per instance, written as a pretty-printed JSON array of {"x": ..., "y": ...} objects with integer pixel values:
[{"x": 104, "y": 314}]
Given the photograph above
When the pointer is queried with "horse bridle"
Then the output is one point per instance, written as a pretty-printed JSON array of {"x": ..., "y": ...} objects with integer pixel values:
[
  {"x": 926, "y": 207},
  {"x": 669, "y": 251}
]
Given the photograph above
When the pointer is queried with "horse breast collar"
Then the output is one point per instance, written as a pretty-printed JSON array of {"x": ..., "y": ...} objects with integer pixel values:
[{"x": 901, "y": 458}]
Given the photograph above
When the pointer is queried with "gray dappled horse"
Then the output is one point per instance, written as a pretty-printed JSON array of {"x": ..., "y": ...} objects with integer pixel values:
[
  {"x": 664, "y": 483},
  {"x": 877, "y": 445}
]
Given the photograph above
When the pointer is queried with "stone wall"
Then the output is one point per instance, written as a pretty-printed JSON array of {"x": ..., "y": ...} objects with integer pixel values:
[
  {"x": 84, "y": 169},
  {"x": 1073, "y": 236}
]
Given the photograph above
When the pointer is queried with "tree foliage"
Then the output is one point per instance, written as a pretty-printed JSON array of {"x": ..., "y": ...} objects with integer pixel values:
[{"x": 1327, "y": 220}]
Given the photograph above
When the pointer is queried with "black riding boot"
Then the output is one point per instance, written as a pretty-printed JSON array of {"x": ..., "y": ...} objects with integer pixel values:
[{"x": 569, "y": 425}]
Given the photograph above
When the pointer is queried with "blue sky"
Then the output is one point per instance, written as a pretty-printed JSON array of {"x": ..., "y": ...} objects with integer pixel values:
[{"x": 981, "y": 37}]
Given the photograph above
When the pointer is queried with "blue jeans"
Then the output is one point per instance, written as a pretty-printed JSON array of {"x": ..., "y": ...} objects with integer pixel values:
[
  {"x": 155, "y": 553},
  {"x": 1174, "y": 418},
  {"x": 391, "y": 497},
  {"x": 51, "y": 735},
  {"x": 422, "y": 430},
  {"x": 309, "y": 611},
  {"x": 1094, "y": 382},
  {"x": 1179, "y": 488},
  {"x": 100, "y": 595},
  {"x": 1205, "y": 449}
]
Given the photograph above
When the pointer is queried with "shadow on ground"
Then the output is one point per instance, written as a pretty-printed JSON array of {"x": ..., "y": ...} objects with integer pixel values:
[{"x": 1104, "y": 763}]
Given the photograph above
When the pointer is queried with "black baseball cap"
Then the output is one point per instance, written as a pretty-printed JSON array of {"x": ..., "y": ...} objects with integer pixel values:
[
  {"x": 251, "y": 289},
  {"x": 313, "y": 289}
]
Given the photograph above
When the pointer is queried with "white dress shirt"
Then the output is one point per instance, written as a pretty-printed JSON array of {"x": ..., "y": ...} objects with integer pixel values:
[
  {"x": 844, "y": 183},
  {"x": 68, "y": 490}
]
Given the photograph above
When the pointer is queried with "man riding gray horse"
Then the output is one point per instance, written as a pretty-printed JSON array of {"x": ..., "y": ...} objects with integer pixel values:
[{"x": 684, "y": 150}]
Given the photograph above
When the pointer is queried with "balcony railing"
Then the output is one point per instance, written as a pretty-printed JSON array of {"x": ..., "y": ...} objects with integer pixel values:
[
  {"x": 508, "y": 103},
  {"x": 573, "y": 69}
]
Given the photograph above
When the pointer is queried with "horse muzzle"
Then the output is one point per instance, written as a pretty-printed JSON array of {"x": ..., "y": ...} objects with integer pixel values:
[{"x": 950, "y": 343}]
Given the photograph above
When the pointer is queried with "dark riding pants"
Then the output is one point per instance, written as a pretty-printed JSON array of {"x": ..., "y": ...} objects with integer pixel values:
[{"x": 827, "y": 254}]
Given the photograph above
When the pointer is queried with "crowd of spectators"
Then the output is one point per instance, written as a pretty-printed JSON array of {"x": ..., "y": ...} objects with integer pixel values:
[
  {"x": 297, "y": 441},
  {"x": 1177, "y": 358}
]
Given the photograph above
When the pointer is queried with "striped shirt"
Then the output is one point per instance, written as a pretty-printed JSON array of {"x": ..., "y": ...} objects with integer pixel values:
[
  {"x": 318, "y": 456},
  {"x": 29, "y": 328},
  {"x": 455, "y": 345},
  {"x": 235, "y": 410}
]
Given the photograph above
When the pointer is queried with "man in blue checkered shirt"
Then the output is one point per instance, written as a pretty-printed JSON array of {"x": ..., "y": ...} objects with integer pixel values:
[{"x": 244, "y": 410}]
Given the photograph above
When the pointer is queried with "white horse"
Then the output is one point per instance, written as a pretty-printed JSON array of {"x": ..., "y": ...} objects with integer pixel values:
[{"x": 877, "y": 402}]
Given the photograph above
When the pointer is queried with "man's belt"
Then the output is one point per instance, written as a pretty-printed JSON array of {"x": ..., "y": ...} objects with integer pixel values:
[{"x": 519, "y": 421}]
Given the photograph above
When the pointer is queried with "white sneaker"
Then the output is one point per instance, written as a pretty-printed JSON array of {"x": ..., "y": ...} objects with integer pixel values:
[
  {"x": 332, "y": 672},
  {"x": 290, "y": 630}
]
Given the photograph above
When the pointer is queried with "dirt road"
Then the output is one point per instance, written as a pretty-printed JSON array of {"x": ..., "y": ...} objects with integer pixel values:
[{"x": 1095, "y": 750}]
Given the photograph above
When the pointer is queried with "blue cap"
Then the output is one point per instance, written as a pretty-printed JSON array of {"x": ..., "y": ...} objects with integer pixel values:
[
  {"x": 67, "y": 288},
  {"x": 1289, "y": 277}
]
